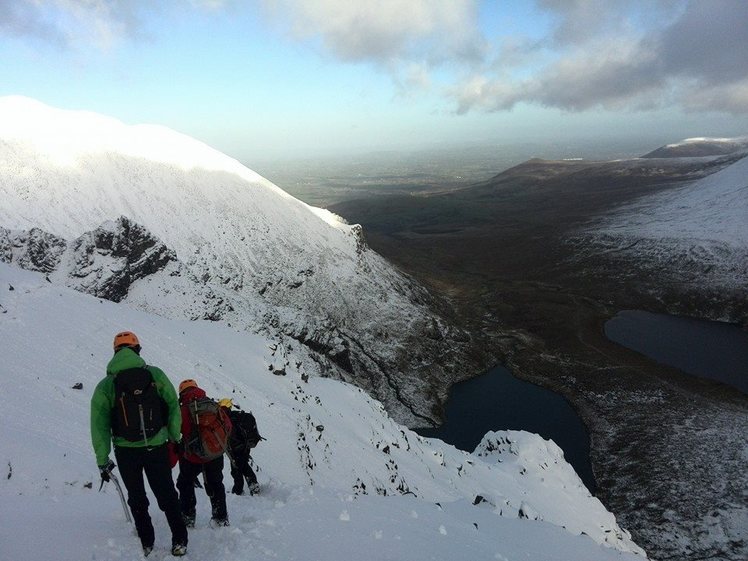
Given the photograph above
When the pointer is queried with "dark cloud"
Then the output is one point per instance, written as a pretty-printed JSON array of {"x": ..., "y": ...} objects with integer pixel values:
[
  {"x": 579, "y": 21},
  {"x": 693, "y": 54},
  {"x": 709, "y": 41}
]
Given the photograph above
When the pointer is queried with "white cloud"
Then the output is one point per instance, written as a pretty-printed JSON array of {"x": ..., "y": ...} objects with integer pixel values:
[
  {"x": 72, "y": 23},
  {"x": 387, "y": 31},
  {"x": 729, "y": 98}
]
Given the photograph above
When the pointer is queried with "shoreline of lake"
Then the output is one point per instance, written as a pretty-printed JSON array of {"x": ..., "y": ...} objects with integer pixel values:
[
  {"x": 704, "y": 348},
  {"x": 497, "y": 400}
]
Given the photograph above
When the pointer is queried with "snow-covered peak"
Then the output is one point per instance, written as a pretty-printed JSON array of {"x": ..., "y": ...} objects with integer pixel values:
[
  {"x": 273, "y": 261},
  {"x": 64, "y": 136},
  {"x": 699, "y": 139},
  {"x": 701, "y": 146},
  {"x": 91, "y": 148}
]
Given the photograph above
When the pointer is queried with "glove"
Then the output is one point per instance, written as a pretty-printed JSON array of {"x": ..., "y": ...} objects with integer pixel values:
[{"x": 105, "y": 470}]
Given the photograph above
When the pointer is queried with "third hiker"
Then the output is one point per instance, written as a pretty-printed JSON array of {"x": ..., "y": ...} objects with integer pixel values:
[{"x": 244, "y": 437}]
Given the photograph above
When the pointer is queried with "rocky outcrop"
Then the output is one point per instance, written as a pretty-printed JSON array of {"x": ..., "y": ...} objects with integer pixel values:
[
  {"x": 108, "y": 260},
  {"x": 103, "y": 263},
  {"x": 34, "y": 250}
]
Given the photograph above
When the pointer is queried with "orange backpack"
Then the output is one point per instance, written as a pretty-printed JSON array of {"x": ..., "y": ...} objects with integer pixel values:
[{"x": 211, "y": 428}]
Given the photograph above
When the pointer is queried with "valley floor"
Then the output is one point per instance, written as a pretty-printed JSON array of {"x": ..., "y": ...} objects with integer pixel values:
[{"x": 668, "y": 450}]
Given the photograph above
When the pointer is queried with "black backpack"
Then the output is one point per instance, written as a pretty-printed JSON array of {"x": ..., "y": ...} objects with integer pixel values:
[
  {"x": 244, "y": 433},
  {"x": 139, "y": 411}
]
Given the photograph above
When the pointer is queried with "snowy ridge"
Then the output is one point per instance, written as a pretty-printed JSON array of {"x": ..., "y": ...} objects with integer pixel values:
[
  {"x": 698, "y": 231},
  {"x": 701, "y": 147},
  {"x": 713, "y": 209},
  {"x": 699, "y": 139},
  {"x": 248, "y": 254},
  {"x": 340, "y": 478}
]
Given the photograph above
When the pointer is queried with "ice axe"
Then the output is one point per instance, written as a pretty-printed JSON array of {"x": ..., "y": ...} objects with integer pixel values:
[{"x": 118, "y": 486}]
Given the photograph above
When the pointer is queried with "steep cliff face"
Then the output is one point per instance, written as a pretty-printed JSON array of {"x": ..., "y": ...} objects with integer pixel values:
[{"x": 203, "y": 237}]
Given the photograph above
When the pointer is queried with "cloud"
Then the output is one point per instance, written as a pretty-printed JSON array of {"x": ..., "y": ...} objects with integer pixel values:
[
  {"x": 72, "y": 23},
  {"x": 596, "y": 53},
  {"x": 693, "y": 54},
  {"x": 592, "y": 53},
  {"x": 728, "y": 98},
  {"x": 709, "y": 41},
  {"x": 25, "y": 19},
  {"x": 386, "y": 32}
]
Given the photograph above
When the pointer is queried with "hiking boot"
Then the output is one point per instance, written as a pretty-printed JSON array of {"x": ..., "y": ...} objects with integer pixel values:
[
  {"x": 254, "y": 489},
  {"x": 237, "y": 490},
  {"x": 218, "y": 522},
  {"x": 189, "y": 520},
  {"x": 178, "y": 549}
]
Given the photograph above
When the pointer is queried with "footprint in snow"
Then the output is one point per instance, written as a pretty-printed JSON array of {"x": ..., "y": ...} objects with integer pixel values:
[{"x": 344, "y": 516}]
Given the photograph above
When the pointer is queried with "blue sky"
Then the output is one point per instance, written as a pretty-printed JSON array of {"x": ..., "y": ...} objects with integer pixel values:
[{"x": 303, "y": 78}]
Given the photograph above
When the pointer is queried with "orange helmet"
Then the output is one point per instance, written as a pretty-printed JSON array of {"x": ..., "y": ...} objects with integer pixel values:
[
  {"x": 184, "y": 384},
  {"x": 125, "y": 339}
]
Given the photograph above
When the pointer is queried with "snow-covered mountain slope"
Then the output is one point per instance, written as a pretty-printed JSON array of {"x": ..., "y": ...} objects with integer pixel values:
[
  {"x": 340, "y": 479},
  {"x": 233, "y": 247},
  {"x": 695, "y": 236}
]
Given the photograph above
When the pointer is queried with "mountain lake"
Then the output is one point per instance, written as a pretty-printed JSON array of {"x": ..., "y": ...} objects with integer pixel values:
[
  {"x": 710, "y": 349},
  {"x": 499, "y": 401}
]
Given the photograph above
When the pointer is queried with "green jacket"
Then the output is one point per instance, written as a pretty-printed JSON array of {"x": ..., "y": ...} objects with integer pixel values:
[{"x": 102, "y": 403}]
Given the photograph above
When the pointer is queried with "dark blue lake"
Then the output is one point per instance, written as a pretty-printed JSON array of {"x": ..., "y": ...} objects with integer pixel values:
[
  {"x": 499, "y": 401},
  {"x": 710, "y": 349}
]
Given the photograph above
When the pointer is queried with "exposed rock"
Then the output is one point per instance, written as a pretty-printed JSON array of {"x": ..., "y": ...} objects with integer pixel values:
[
  {"x": 109, "y": 259},
  {"x": 34, "y": 250},
  {"x": 104, "y": 262}
]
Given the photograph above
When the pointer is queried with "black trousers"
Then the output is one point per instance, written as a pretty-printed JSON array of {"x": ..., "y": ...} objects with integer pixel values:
[
  {"x": 212, "y": 478},
  {"x": 240, "y": 469},
  {"x": 154, "y": 462}
]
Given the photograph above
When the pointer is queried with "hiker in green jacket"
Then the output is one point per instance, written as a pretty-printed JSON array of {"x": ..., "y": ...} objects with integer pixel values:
[{"x": 135, "y": 407}]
